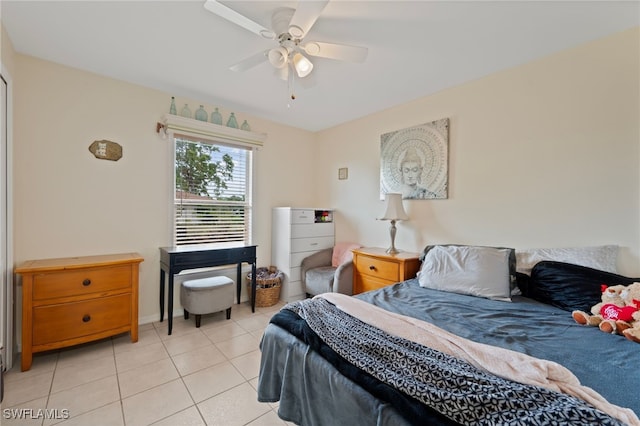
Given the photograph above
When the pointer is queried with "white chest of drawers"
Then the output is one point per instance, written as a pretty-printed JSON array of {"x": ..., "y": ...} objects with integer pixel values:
[{"x": 296, "y": 234}]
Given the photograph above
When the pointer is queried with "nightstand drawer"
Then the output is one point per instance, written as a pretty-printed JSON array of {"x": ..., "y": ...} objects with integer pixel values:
[
  {"x": 367, "y": 283},
  {"x": 378, "y": 268},
  {"x": 375, "y": 268},
  {"x": 76, "y": 319},
  {"x": 83, "y": 281}
]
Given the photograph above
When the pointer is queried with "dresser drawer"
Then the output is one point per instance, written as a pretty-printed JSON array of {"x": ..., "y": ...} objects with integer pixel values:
[
  {"x": 310, "y": 244},
  {"x": 303, "y": 216},
  {"x": 377, "y": 268},
  {"x": 312, "y": 230},
  {"x": 65, "y": 321},
  {"x": 81, "y": 281}
]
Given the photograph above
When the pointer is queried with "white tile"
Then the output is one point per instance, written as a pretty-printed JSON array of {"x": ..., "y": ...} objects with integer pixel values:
[
  {"x": 146, "y": 377},
  {"x": 87, "y": 397},
  {"x": 155, "y": 404},
  {"x": 145, "y": 337},
  {"x": 248, "y": 364},
  {"x": 70, "y": 376},
  {"x": 75, "y": 355},
  {"x": 198, "y": 359},
  {"x": 108, "y": 415},
  {"x": 114, "y": 382},
  {"x": 255, "y": 322},
  {"x": 27, "y": 389},
  {"x": 189, "y": 417},
  {"x": 238, "y": 345},
  {"x": 212, "y": 381},
  {"x": 180, "y": 328},
  {"x": 269, "y": 419},
  {"x": 224, "y": 332},
  {"x": 140, "y": 356},
  {"x": 237, "y": 406},
  {"x": 43, "y": 362},
  {"x": 24, "y": 414},
  {"x": 186, "y": 343}
]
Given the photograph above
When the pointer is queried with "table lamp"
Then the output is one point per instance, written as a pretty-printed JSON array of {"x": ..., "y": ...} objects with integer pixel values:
[{"x": 395, "y": 211}]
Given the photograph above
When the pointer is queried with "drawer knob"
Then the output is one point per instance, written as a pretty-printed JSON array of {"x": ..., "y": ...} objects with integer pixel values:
[
  {"x": 86, "y": 282},
  {"x": 372, "y": 267},
  {"x": 86, "y": 318}
]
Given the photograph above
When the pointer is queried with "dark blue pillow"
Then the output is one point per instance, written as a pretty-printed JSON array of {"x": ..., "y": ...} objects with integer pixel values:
[{"x": 568, "y": 286}]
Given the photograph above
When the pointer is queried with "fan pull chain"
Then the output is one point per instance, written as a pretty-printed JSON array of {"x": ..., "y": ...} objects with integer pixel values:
[{"x": 291, "y": 85}]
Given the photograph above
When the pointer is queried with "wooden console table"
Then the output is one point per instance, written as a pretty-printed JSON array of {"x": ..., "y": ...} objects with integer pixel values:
[
  {"x": 174, "y": 260},
  {"x": 73, "y": 300}
]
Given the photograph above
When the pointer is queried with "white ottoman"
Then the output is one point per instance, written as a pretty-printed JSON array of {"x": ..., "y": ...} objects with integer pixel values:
[{"x": 206, "y": 296}]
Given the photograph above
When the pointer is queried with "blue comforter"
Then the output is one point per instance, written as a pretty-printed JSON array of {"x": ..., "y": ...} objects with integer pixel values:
[
  {"x": 606, "y": 363},
  {"x": 311, "y": 391}
]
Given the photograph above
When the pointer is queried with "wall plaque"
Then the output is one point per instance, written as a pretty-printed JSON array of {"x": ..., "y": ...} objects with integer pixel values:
[{"x": 106, "y": 150}]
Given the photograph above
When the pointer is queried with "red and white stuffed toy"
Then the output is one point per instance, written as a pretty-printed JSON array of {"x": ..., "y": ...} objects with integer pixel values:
[
  {"x": 614, "y": 313},
  {"x": 632, "y": 298}
]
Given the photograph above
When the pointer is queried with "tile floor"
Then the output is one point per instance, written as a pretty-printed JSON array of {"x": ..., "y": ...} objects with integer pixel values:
[{"x": 196, "y": 376}]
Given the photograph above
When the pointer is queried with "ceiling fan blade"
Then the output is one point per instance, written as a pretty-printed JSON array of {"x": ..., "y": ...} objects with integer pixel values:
[
  {"x": 250, "y": 62},
  {"x": 340, "y": 52},
  {"x": 231, "y": 15},
  {"x": 305, "y": 16}
]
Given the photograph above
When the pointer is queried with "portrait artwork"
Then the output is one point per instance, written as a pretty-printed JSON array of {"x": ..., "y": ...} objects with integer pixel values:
[{"x": 414, "y": 161}]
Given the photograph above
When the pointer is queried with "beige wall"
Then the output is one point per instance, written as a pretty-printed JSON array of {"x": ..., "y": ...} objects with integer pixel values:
[
  {"x": 542, "y": 155},
  {"x": 68, "y": 203},
  {"x": 546, "y": 154}
]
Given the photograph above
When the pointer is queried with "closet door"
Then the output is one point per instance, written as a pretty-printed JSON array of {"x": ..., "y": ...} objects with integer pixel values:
[{"x": 6, "y": 282}]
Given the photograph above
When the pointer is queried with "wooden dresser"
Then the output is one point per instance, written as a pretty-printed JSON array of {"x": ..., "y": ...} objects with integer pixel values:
[
  {"x": 73, "y": 300},
  {"x": 375, "y": 268}
]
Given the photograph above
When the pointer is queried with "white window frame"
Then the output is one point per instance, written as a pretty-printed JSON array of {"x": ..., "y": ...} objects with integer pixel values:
[{"x": 179, "y": 127}]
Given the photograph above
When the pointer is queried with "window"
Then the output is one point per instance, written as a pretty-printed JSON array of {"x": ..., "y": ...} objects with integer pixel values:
[{"x": 212, "y": 192}]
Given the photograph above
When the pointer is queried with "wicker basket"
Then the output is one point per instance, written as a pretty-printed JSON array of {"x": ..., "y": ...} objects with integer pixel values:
[{"x": 268, "y": 284}]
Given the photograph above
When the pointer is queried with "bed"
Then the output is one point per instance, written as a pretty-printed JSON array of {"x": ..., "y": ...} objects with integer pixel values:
[{"x": 469, "y": 341}]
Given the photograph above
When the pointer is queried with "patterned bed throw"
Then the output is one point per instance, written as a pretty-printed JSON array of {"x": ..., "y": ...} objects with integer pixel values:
[{"x": 408, "y": 374}]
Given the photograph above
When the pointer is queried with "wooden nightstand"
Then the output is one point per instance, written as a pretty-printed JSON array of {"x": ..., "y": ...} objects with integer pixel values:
[{"x": 374, "y": 268}]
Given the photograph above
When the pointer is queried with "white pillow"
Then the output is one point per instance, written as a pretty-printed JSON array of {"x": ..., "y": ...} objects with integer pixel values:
[
  {"x": 603, "y": 258},
  {"x": 477, "y": 271}
]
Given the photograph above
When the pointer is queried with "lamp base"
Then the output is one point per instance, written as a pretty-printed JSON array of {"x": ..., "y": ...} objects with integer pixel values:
[
  {"x": 392, "y": 250},
  {"x": 392, "y": 233}
]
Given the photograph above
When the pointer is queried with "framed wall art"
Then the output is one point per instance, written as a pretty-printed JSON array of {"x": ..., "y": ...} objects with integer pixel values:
[{"x": 414, "y": 161}]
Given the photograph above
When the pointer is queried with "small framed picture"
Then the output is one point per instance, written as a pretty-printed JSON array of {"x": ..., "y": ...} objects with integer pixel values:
[{"x": 343, "y": 173}]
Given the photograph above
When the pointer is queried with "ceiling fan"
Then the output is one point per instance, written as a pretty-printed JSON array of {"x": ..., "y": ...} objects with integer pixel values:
[{"x": 289, "y": 28}]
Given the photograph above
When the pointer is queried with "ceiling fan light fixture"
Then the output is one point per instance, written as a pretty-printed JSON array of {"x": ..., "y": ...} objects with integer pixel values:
[
  {"x": 278, "y": 57},
  {"x": 302, "y": 65},
  {"x": 312, "y": 48},
  {"x": 296, "y": 31}
]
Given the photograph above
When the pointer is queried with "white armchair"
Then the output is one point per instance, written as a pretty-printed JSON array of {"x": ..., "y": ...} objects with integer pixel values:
[{"x": 329, "y": 270}]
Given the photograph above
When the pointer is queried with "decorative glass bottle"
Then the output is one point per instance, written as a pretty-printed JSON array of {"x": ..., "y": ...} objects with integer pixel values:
[
  {"x": 201, "y": 114},
  {"x": 186, "y": 112},
  {"x": 232, "y": 122},
  {"x": 245, "y": 126},
  {"x": 216, "y": 117},
  {"x": 172, "y": 108}
]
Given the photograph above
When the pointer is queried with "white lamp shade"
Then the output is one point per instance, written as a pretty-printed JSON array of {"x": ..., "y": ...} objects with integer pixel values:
[
  {"x": 278, "y": 57},
  {"x": 302, "y": 65},
  {"x": 395, "y": 209}
]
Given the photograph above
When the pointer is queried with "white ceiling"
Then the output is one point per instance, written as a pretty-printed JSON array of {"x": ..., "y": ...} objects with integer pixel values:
[{"x": 416, "y": 48}]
